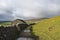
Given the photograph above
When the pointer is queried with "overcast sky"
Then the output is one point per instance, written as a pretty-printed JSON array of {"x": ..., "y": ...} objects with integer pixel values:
[{"x": 28, "y": 9}]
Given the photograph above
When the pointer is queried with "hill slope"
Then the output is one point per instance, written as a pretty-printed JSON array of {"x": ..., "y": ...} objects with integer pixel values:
[{"x": 48, "y": 29}]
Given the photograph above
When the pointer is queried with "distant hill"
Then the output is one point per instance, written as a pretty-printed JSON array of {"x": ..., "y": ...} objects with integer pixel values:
[
  {"x": 5, "y": 23},
  {"x": 48, "y": 29},
  {"x": 36, "y": 20}
]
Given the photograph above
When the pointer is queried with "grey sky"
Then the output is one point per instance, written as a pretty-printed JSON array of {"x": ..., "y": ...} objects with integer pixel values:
[{"x": 28, "y": 9}]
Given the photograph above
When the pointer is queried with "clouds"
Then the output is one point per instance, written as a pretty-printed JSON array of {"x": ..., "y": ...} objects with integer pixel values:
[
  {"x": 38, "y": 8},
  {"x": 5, "y": 15},
  {"x": 28, "y": 9}
]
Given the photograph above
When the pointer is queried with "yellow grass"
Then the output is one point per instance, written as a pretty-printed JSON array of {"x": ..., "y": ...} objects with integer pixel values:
[{"x": 48, "y": 29}]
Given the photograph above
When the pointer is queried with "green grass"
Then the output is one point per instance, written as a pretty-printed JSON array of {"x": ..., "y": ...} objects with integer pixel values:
[
  {"x": 48, "y": 29},
  {"x": 5, "y": 23}
]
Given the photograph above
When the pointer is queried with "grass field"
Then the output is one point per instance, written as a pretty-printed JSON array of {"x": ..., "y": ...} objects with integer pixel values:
[
  {"x": 5, "y": 23},
  {"x": 48, "y": 29}
]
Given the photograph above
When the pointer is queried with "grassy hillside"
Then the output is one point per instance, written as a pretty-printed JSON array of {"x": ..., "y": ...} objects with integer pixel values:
[
  {"x": 48, "y": 29},
  {"x": 35, "y": 20}
]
